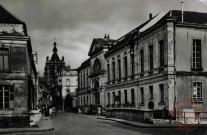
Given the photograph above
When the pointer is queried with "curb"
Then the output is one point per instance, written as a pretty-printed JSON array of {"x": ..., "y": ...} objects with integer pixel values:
[
  {"x": 147, "y": 125},
  {"x": 24, "y": 130}
]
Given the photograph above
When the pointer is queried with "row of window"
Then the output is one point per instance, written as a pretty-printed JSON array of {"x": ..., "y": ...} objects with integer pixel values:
[
  {"x": 125, "y": 69},
  {"x": 83, "y": 80},
  {"x": 197, "y": 94},
  {"x": 196, "y": 61},
  {"x": 84, "y": 101},
  {"x": 117, "y": 98}
]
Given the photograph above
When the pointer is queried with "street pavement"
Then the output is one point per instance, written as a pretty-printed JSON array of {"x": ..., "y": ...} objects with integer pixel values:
[{"x": 66, "y": 123}]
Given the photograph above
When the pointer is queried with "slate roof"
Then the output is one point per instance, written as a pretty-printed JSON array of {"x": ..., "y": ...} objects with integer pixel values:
[
  {"x": 126, "y": 38},
  {"x": 7, "y": 17},
  {"x": 103, "y": 42},
  {"x": 84, "y": 64},
  {"x": 189, "y": 16}
]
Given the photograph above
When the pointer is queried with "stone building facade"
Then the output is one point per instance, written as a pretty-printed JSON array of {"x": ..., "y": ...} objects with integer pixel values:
[
  {"x": 92, "y": 74},
  {"x": 18, "y": 75},
  {"x": 67, "y": 83},
  {"x": 160, "y": 62}
]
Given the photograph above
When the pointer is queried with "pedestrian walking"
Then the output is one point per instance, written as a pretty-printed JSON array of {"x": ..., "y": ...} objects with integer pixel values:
[
  {"x": 99, "y": 111},
  {"x": 50, "y": 111}
]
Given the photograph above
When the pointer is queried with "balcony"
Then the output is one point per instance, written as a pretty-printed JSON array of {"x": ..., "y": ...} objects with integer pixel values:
[{"x": 103, "y": 71}]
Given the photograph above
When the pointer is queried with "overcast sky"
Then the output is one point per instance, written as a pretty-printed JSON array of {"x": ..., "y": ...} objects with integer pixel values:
[{"x": 75, "y": 23}]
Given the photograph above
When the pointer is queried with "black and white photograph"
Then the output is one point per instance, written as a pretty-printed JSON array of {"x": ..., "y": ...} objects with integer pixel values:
[{"x": 103, "y": 67}]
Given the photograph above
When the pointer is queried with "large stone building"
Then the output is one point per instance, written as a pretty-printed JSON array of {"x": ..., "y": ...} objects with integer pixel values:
[
  {"x": 53, "y": 67},
  {"x": 162, "y": 60},
  {"x": 18, "y": 74},
  {"x": 92, "y": 74}
]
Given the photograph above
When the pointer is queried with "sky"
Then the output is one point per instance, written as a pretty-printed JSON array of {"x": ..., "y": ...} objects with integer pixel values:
[{"x": 74, "y": 23}]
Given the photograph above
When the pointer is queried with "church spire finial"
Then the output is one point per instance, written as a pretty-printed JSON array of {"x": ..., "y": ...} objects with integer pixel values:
[{"x": 55, "y": 49}]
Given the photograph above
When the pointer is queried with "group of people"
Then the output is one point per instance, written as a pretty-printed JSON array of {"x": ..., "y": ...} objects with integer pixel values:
[{"x": 48, "y": 112}]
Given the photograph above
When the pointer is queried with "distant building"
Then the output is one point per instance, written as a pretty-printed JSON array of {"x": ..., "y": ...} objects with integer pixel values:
[
  {"x": 67, "y": 85},
  {"x": 18, "y": 75},
  {"x": 53, "y": 67}
]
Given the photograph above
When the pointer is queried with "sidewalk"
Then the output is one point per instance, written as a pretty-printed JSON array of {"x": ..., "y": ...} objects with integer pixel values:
[
  {"x": 144, "y": 125},
  {"x": 44, "y": 126}
]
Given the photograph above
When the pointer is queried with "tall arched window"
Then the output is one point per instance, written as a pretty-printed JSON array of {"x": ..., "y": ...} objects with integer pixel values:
[{"x": 97, "y": 65}]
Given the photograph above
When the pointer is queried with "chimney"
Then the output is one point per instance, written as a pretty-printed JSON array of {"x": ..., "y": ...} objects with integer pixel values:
[
  {"x": 182, "y": 11},
  {"x": 150, "y": 16},
  {"x": 106, "y": 37},
  {"x": 62, "y": 58}
]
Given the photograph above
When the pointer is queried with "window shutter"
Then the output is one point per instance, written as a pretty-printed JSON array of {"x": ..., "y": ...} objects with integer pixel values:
[{"x": 11, "y": 97}]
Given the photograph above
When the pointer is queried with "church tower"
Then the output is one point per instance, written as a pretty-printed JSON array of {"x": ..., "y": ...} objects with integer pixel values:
[{"x": 53, "y": 67}]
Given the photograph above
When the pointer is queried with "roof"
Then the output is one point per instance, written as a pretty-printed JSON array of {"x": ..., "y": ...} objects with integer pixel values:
[
  {"x": 189, "y": 16},
  {"x": 127, "y": 38},
  {"x": 7, "y": 17},
  {"x": 152, "y": 22},
  {"x": 103, "y": 41},
  {"x": 84, "y": 64},
  {"x": 98, "y": 43}
]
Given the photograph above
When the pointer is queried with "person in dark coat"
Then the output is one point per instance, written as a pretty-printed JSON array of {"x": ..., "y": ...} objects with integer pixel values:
[
  {"x": 151, "y": 104},
  {"x": 47, "y": 113}
]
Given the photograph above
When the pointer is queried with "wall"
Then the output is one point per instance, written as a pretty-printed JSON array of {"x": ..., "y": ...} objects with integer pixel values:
[
  {"x": 184, "y": 42},
  {"x": 157, "y": 75},
  {"x": 18, "y": 74},
  {"x": 184, "y": 87}
]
